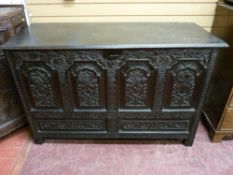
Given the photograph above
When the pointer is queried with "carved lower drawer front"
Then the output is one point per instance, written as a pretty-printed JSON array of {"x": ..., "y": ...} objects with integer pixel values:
[
  {"x": 126, "y": 126},
  {"x": 154, "y": 93},
  {"x": 72, "y": 125}
]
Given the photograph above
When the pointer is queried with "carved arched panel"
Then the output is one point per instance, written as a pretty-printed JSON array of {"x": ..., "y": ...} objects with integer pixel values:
[
  {"x": 136, "y": 85},
  {"x": 40, "y": 85},
  {"x": 87, "y": 83},
  {"x": 183, "y": 83}
]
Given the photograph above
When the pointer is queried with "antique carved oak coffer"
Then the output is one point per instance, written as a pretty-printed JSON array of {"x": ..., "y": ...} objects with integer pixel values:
[{"x": 113, "y": 80}]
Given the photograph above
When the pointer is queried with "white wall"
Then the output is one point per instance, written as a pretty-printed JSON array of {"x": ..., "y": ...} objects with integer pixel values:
[
  {"x": 11, "y": 1},
  {"x": 199, "y": 11}
]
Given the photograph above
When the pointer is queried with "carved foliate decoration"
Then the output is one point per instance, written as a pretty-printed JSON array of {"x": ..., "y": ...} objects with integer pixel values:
[
  {"x": 183, "y": 78},
  {"x": 183, "y": 87},
  {"x": 60, "y": 60},
  {"x": 85, "y": 55},
  {"x": 138, "y": 54},
  {"x": 165, "y": 58},
  {"x": 39, "y": 81},
  {"x": 136, "y": 88},
  {"x": 73, "y": 115},
  {"x": 106, "y": 63},
  {"x": 80, "y": 125},
  {"x": 159, "y": 57},
  {"x": 145, "y": 125},
  {"x": 89, "y": 84},
  {"x": 155, "y": 114},
  {"x": 137, "y": 79},
  {"x": 201, "y": 54},
  {"x": 111, "y": 61},
  {"x": 88, "y": 88},
  {"x": 23, "y": 56},
  {"x": 97, "y": 56}
]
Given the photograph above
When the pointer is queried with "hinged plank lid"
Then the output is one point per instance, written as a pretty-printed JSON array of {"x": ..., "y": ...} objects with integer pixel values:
[{"x": 114, "y": 36}]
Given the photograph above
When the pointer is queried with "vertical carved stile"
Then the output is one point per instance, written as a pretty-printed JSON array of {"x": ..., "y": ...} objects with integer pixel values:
[
  {"x": 111, "y": 73},
  {"x": 162, "y": 60},
  {"x": 61, "y": 62}
]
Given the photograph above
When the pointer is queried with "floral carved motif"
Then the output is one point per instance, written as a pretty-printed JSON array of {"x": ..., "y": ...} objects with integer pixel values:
[
  {"x": 160, "y": 60},
  {"x": 41, "y": 88},
  {"x": 158, "y": 57},
  {"x": 87, "y": 88},
  {"x": 164, "y": 58},
  {"x": 136, "y": 88},
  {"x": 60, "y": 60},
  {"x": 183, "y": 87}
]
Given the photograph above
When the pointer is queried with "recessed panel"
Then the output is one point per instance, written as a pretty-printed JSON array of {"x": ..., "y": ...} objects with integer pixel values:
[
  {"x": 40, "y": 84},
  {"x": 183, "y": 85},
  {"x": 136, "y": 84},
  {"x": 87, "y": 82}
]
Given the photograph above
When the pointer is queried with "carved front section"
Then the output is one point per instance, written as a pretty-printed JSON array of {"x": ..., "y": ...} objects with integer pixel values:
[
  {"x": 88, "y": 85},
  {"x": 88, "y": 88},
  {"x": 183, "y": 84},
  {"x": 135, "y": 88},
  {"x": 136, "y": 84},
  {"x": 183, "y": 87},
  {"x": 39, "y": 84}
]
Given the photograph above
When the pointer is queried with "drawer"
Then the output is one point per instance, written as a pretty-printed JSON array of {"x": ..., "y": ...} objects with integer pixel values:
[
  {"x": 68, "y": 125},
  {"x": 152, "y": 125},
  {"x": 227, "y": 123}
]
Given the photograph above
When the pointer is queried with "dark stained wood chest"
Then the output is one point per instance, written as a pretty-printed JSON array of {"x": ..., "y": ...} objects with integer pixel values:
[{"x": 113, "y": 80}]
